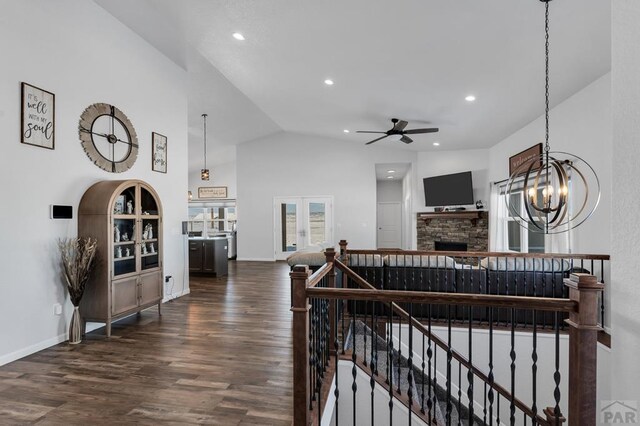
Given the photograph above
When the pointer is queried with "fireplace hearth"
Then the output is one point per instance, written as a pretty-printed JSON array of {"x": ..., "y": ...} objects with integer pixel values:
[{"x": 453, "y": 228}]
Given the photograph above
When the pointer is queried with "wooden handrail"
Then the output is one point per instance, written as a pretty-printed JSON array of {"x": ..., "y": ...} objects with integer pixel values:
[
  {"x": 456, "y": 355},
  {"x": 482, "y": 254},
  {"x": 319, "y": 274}
]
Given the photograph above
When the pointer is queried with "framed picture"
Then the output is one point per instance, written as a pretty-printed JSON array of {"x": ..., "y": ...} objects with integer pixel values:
[
  {"x": 158, "y": 152},
  {"x": 38, "y": 117},
  {"x": 212, "y": 192},
  {"x": 526, "y": 157},
  {"x": 118, "y": 206}
]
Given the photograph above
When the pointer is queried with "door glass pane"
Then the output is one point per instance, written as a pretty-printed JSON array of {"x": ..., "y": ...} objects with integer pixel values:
[
  {"x": 150, "y": 244},
  {"x": 125, "y": 202},
  {"x": 513, "y": 230},
  {"x": 317, "y": 223},
  {"x": 149, "y": 205},
  {"x": 536, "y": 240},
  {"x": 289, "y": 215},
  {"x": 514, "y": 204},
  {"x": 124, "y": 246}
]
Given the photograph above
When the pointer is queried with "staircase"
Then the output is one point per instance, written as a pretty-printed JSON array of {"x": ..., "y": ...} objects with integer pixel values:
[{"x": 429, "y": 398}]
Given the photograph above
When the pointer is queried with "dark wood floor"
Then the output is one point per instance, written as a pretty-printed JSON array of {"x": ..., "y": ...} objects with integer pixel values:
[{"x": 221, "y": 355}]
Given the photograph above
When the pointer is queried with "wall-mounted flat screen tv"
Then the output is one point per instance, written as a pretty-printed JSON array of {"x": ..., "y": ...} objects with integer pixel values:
[{"x": 448, "y": 190}]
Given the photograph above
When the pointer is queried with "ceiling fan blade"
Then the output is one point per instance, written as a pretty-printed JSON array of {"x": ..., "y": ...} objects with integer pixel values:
[
  {"x": 400, "y": 125},
  {"x": 418, "y": 131},
  {"x": 376, "y": 140},
  {"x": 406, "y": 139},
  {"x": 367, "y": 131}
]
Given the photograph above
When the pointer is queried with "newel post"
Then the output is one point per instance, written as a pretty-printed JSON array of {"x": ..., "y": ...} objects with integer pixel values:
[
  {"x": 300, "y": 308},
  {"x": 343, "y": 247},
  {"x": 330, "y": 254},
  {"x": 583, "y": 348}
]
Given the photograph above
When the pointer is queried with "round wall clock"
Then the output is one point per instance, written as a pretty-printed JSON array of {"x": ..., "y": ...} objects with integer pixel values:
[{"x": 108, "y": 138}]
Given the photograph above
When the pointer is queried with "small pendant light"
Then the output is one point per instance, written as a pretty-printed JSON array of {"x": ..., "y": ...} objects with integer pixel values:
[{"x": 204, "y": 173}]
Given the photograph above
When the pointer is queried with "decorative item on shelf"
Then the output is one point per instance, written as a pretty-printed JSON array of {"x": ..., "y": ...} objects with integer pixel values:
[
  {"x": 144, "y": 248},
  {"x": 479, "y": 205},
  {"x": 152, "y": 248},
  {"x": 77, "y": 261},
  {"x": 149, "y": 229},
  {"x": 127, "y": 252},
  {"x": 118, "y": 206},
  {"x": 108, "y": 137},
  {"x": 158, "y": 152},
  {"x": 204, "y": 173},
  {"x": 116, "y": 234},
  {"x": 561, "y": 190},
  {"x": 125, "y": 237},
  {"x": 38, "y": 117},
  {"x": 119, "y": 252},
  {"x": 129, "y": 207},
  {"x": 190, "y": 195}
]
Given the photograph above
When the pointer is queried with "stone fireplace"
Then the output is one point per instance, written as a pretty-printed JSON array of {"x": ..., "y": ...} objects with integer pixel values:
[{"x": 457, "y": 228}]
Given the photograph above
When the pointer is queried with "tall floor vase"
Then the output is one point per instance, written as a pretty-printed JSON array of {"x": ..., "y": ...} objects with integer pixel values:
[{"x": 75, "y": 328}]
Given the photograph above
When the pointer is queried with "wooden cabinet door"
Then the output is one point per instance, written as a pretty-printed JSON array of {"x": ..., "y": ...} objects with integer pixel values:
[
  {"x": 208, "y": 256},
  {"x": 195, "y": 256},
  {"x": 124, "y": 295},
  {"x": 150, "y": 287}
]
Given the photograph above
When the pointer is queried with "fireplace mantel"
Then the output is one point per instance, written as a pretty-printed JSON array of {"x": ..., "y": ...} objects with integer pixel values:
[{"x": 471, "y": 215}]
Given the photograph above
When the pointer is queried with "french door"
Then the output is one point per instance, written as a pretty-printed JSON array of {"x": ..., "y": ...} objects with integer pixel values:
[{"x": 301, "y": 222}]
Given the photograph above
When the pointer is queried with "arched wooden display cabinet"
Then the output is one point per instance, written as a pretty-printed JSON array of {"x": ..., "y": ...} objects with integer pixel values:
[{"x": 125, "y": 217}]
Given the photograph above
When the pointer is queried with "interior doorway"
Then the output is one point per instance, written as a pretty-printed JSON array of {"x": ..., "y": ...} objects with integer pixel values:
[
  {"x": 300, "y": 222},
  {"x": 389, "y": 225}
]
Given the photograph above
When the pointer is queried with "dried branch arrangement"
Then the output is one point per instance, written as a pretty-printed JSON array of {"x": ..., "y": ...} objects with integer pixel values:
[{"x": 77, "y": 260}]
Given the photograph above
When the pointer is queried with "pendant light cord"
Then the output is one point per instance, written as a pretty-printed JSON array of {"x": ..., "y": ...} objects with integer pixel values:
[
  {"x": 546, "y": 86},
  {"x": 204, "y": 118}
]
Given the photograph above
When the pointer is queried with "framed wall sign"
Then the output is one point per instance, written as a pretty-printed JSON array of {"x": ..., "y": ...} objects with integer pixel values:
[
  {"x": 525, "y": 157},
  {"x": 158, "y": 152},
  {"x": 212, "y": 192},
  {"x": 38, "y": 117}
]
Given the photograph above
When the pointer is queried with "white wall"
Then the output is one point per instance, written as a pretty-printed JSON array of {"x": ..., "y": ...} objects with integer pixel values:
[
  {"x": 435, "y": 163},
  {"x": 81, "y": 53},
  {"x": 389, "y": 191},
  {"x": 625, "y": 190},
  {"x": 580, "y": 125},
  {"x": 289, "y": 164},
  {"x": 222, "y": 175}
]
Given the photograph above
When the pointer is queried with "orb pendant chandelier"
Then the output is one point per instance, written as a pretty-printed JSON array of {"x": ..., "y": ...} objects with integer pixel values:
[{"x": 555, "y": 191}]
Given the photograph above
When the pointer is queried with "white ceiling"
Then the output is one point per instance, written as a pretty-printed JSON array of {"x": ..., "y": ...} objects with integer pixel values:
[
  {"x": 400, "y": 170},
  {"x": 411, "y": 59}
]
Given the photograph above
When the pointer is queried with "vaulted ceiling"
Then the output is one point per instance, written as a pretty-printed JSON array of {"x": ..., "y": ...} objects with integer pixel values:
[{"x": 412, "y": 59}]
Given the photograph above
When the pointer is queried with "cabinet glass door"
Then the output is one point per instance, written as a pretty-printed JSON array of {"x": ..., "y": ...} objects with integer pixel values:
[
  {"x": 124, "y": 232},
  {"x": 150, "y": 231}
]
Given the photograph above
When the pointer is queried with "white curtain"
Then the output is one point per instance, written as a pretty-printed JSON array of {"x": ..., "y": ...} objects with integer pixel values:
[{"x": 497, "y": 219}]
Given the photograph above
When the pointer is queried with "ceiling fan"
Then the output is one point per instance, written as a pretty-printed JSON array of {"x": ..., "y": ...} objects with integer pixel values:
[{"x": 398, "y": 131}]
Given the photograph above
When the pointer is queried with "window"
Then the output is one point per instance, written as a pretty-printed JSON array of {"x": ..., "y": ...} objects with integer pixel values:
[{"x": 520, "y": 238}]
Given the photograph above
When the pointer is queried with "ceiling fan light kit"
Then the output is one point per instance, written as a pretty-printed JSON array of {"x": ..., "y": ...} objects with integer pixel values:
[
  {"x": 397, "y": 132},
  {"x": 561, "y": 190}
]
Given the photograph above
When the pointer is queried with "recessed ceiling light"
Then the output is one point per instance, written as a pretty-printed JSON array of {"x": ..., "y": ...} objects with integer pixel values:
[
  {"x": 238, "y": 36},
  {"x": 391, "y": 171},
  {"x": 470, "y": 98},
  {"x": 389, "y": 177},
  {"x": 436, "y": 144},
  {"x": 346, "y": 130},
  {"x": 328, "y": 82}
]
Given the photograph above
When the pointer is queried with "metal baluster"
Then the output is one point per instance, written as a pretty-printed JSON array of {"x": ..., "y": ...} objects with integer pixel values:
[
  {"x": 602, "y": 294},
  {"x": 534, "y": 370},
  {"x": 449, "y": 357},
  {"x": 429, "y": 371},
  {"x": 459, "y": 391},
  {"x": 484, "y": 408},
  {"x": 336, "y": 346},
  {"x": 498, "y": 411},
  {"x": 556, "y": 375},
  {"x": 410, "y": 363},
  {"x": 544, "y": 288},
  {"x": 469, "y": 371},
  {"x": 341, "y": 310},
  {"x": 512, "y": 355},
  {"x": 423, "y": 365},
  {"x": 312, "y": 375},
  {"x": 390, "y": 363},
  {"x": 399, "y": 353},
  {"x": 490, "y": 376},
  {"x": 372, "y": 366},
  {"x": 354, "y": 371}
]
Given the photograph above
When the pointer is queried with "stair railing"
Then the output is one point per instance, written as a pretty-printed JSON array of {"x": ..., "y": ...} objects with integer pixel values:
[{"x": 325, "y": 320}]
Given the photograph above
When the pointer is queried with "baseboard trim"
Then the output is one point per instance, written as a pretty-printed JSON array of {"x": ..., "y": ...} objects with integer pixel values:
[
  {"x": 255, "y": 259},
  {"x": 173, "y": 296},
  {"x": 21, "y": 353}
]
